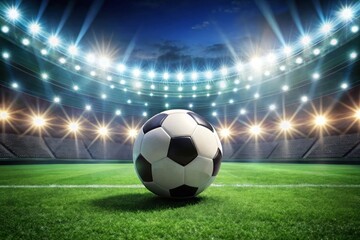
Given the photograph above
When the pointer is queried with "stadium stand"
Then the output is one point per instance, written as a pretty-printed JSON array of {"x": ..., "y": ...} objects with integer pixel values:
[
  {"x": 67, "y": 148},
  {"x": 355, "y": 153},
  {"x": 334, "y": 146},
  {"x": 109, "y": 150},
  {"x": 294, "y": 148},
  {"x": 4, "y": 153},
  {"x": 26, "y": 146},
  {"x": 255, "y": 150}
]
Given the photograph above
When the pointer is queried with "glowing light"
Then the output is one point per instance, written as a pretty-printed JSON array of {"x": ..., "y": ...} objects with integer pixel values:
[
  {"x": 44, "y": 52},
  {"x": 239, "y": 66},
  {"x": 285, "y": 88},
  {"x": 354, "y": 29},
  {"x": 306, "y": 40},
  {"x": 4, "y": 115},
  {"x": 191, "y": 105},
  {"x": 5, "y": 29},
  {"x": 304, "y": 99},
  {"x": 144, "y": 114},
  {"x": 344, "y": 86},
  {"x": 247, "y": 87},
  {"x": 5, "y": 55},
  {"x": 73, "y": 50},
  {"x": 118, "y": 112},
  {"x": 353, "y": 55},
  {"x": 333, "y": 42},
  {"x": 15, "y": 85},
  {"x": 243, "y": 111},
  {"x": 208, "y": 74},
  {"x": 194, "y": 76},
  {"x": 122, "y": 82},
  {"x": 103, "y": 131},
  {"x": 320, "y": 121},
  {"x": 225, "y": 133},
  {"x": 166, "y": 76},
  {"x": 180, "y": 76},
  {"x": 62, "y": 60},
  {"x": 357, "y": 114},
  {"x": 282, "y": 68},
  {"x": 13, "y": 14},
  {"x": 256, "y": 62},
  {"x": 93, "y": 73},
  {"x": 121, "y": 68},
  {"x": 224, "y": 71},
  {"x": 25, "y": 42},
  {"x": 271, "y": 58},
  {"x": 255, "y": 130},
  {"x": 34, "y": 28},
  {"x": 231, "y": 101},
  {"x": 299, "y": 60},
  {"x": 207, "y": 87},
  {"x": 77, "y": 67},
  {"x": 213, "y": 104},
  {"x": 73, "y": 127},
  {"x": 287, "y": 50},
  {"x": 76, "y": 87},
  {"x": 151, "y": 74},
  {"x": 180, "y": 89},
  {"x": 103, "y": 96},
  {"x": 166, "y": 88},
  {"x": 104, "y": 62},
  {"x": 88, "y": 107},
  {"x": 152, "y": 86},
  {"x": 222, "y": 84},
  {"x": 316, "y": 76},
  {"x": 285, "y": 125},
  {"x": 166, "y": 105},
  {"x": 346, "y": 14},
  {"x": 272, "y": 107},
  {"x": 316, "y": 51},
  {"x": 54, "y": 41},
  {"x": 38, "y": 121},
  {"x": 256, "y": 95},
  {"x": 129, "y": 101},
  {"x": 44, "y": 76},
  {"x": 326, "y": 28},
  {"x": 138, "y": 84},
  {"x": 214, "y": 113},
  {"x": 57, "y": 100},
  {"x": 132, "y": 133}
]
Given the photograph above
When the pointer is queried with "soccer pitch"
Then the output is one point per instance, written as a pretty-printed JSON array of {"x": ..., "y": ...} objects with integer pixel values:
[{"x": 247, "y": 201}]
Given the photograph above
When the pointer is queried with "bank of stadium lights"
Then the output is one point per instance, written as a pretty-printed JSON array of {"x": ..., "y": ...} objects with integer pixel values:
[
  {"x": 34, "y": 28},
  {"x": 180, "y": 76},
  {"x": 4, "y": 115},
  {"x": 38, "y": 121},
  {"x": 346, "y": 13},
  {"x": 54, "y": 41},
  {"x": 13, "y": 14},
  {"x": 320, "y": 121},
  {"x": 194, "y": 76},
  {"x": 104, "y": 62},
  {"x": 57, "y": 99},
  {"x": 5, "y": 29},
  {"x": 166, "y": 76}
]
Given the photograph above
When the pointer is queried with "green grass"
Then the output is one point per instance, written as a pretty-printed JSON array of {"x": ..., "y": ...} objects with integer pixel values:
[{"x": 218, "y": 213}]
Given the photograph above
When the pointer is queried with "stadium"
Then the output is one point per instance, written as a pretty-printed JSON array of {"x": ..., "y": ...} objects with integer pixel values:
[{"x": 81, "y": 82}]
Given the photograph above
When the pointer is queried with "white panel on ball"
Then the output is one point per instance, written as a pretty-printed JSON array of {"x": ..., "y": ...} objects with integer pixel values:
[
  {"x": 155, "y": 145},
  {"x": 173, "y": 122},
  {"x": 198, "y": 172},
  {"x": 206, "y": 185},
  {"x": 172, "y": 111},
  {"x": 137, "y": 144},
  {"x": 167, "y": 173},
  {"x": 205, "y": 142},
  {"x": 155, "y": 188}
]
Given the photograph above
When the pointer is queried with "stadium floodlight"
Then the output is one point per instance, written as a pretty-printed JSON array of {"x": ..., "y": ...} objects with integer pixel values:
[
  {"x": 346, "y": 14},
  {"x": 353, "y": 55},
  {"x": 194, "y": 76},
  {"x": 166, "y": 76},
  {"x": 6, "y": 55},
  {"x": 180, "y": 76},
  {"x": 304, "y": 99},
  {"x": 224, "y": 71},
  {"x": 243, "y": 111},
  {"x": 316, "y": 76},
  {"x": 225, "y": 133},
  {"x": 180, "y": 89},
  {"x": 151, "y": 74},
  {"x": 282, "y": 68},
  {"x": 138, "y": 84},
  {"x": 285, "y": 88},
  {"x": 191, "y": 105},
  {"x": 77, "y": 67},
  {"x": 333, "y": 42},
  {"x": 13, "y": 14},
  {"x": 15, "y": 85},
  {"x": 239, "y": 66},
  {"x": 132, "y": 132},
  {"x": 222, "y": 84},
  {"x": 118, "y": 112},
  {"x": 34, "y": 28},
  {"x": 5, "y": 29},
  {"x": 25, "y": 42},
  {"x": 256, "y": 95},
  {"x": 214, "y": 113},
  {"x": 73, "y": 127},
  {"x": 208, "y": 74},
  {"x": 152, "y": 86},
  {"x": 103, "y": 131},
  {"x": 299, "y": 60},
  {"x": 38, "y": 121},
  {"x": 103, "y": 96},
  {"x": 90, "y": 58},
  {"x": 344, "y": 86},
  {"x": 357, "y": 114},
  {"x": 208, "y": 87},
  {"x": 104, "y": 62},
  {"x": 287, "y": 50},
  {"x": 272, "y": 107},
  {"x": 129, "y": 101},
  {"x": 76, "y": 88},
  {"x": 4, "y": 115},
  {"x": 44, "y": 76},
  {"x": 320, "y": 120},
  {"x": 213, "y": 104},
  {"x": 326, "y": 28},
  {"x": 167, "y": 105},
  {"x": 354, "y": 29},
  {"x": 305, "y": 40},
  {"x": 255, "y": 130},
  {"x": 57, "y": 100},
  {"x": 62, "y": 60},
  {"x": 285, "y": 125},
  {"x": 88, "y": 107},
  {"x": 73, "y": 50},
  {"x": 93, "y": 73},
  {"x": 166, "y": 88},
  {"x": 54, "y": 41},
  {"x": 256, "y": 62},
  {"x": 136, "y": 72},
  {"x": 231, "y": 101},
  {"x": 44, "y": 52},
  {"x": 144, "y": 114},
  {"x": 271, "y": 58},
  {"x": 316, "y": 51}
]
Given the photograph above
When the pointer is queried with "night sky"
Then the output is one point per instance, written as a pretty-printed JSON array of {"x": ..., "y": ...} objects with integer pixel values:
[{"x": 172, "y": 34}]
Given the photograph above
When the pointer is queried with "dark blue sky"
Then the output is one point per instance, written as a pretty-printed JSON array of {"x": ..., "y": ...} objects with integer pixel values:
[{"x": 170, "y": 33}]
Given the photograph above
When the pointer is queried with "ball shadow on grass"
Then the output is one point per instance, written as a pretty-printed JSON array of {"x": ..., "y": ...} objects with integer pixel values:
[{"x": 142, "y": 202}]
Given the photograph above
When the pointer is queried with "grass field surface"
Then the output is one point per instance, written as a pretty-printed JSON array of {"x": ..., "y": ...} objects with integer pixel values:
[{"x": 248, "y": 201}]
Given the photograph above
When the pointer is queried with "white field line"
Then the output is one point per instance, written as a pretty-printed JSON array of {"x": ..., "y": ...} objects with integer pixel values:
[{"x": 305, "y": 185}]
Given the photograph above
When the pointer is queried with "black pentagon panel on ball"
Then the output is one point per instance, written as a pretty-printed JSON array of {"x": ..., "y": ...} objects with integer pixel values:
[
  {"x": 144, "y": 169},
  {"x": 154, "y": 122},
  {"x": 182, "y": 150},
  {"x": 217, "y": 162},
  {"x": 184, "y": 191},
  {"x": 201, "y": 121}
]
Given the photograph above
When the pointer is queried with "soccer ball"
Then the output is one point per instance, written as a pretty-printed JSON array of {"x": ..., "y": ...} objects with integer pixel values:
[{"x": 177, "y": 154}]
